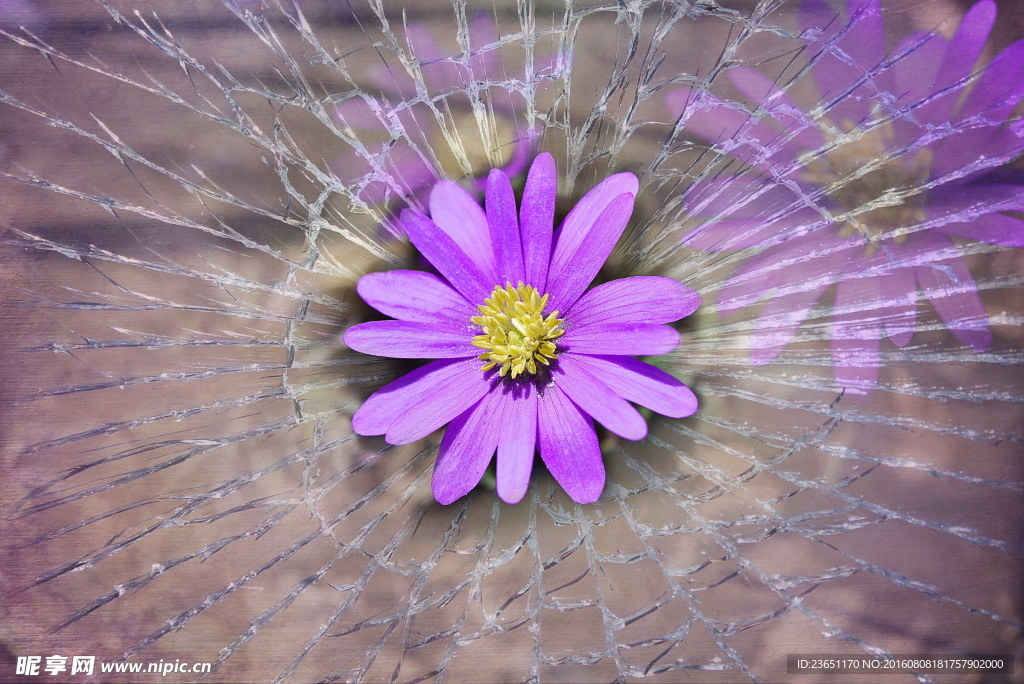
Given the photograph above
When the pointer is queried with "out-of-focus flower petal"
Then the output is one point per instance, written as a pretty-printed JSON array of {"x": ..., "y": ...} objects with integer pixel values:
[
  {"x": 459, "y": 215},
  {"x": 640, "y": 299},
  {"x": 536, "y": 219},
  {"x": 998, "y": 229},
  {"x": 584, "y": 242},
  {"x": 856, "y": 332},
  {"x": 896, "y": 304},
  {"x": 745, "y": 212},
  {"x": 409, "y": 340},
  {"x": 728, "y": 126},
  {"x": 466, "y": 450},
  {"x": 950, "y": 288},
  {"x": 568, "y": 446},
  {"x": 632, "y": 339},
  {"x": 517, "y": 442},
  {"x": 504, "y": 224},
  {"x": 799, "y": 131},
  {"x": 999, "y": 88},
  {"x": 779, "y": 321},
  {"x": 415, "y": 296},
  {"x": 597, "y": 399},
  {"x": 447, "y": 257},
  {"x": 642, "y": 383},
  {"x": 440, "y": 71},
  {"x": 378, "y": 412}
]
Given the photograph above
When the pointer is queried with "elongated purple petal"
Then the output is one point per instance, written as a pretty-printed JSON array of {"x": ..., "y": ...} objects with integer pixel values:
[
  {"x": 641, "y": 383},
  {"x": 378, "y": 412},
  {"x": 640, "y": 299},
  {"x": 568, "y": 446},
  {"x": 501, "y": 215},
  {"x": 896, "y": 294},
  {"x": 999, "y": 229},
  {"x": 581, "y": 250},
  {"x": 517, "y": 442},
  {"x": 630, "y": 339},
  {"x": 415, "y": 296},
  {"x": 799, "y": 131},
  {"x": 459, "y": 215},
  {"x": 597, "y": 399},
  {"x": 1000, "y": 87},
  {"x": 408, "y": 340},
  {"x": 856, "y": 332},
  {"x": 536, "y": 219},
  {"x": 779, "y": 321},
  {"x": 950, "y": 288},
  {"x": 466, "y": 449},
  {"x": 958, "y": 63},
  {"x": 447, "y": 257},
  {"x": 440, "y": 406},
  {"x": 745, "y": 211}
]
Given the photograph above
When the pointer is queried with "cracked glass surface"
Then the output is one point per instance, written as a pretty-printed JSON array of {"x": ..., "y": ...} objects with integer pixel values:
[{"x": 190, "y": 192}]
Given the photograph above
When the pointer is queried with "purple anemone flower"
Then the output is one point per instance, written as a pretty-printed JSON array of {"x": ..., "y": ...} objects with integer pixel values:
[
  {"x": 554, "y": 356},
  {"x": 864, "y": 183},
  {"x": 406, "y": 113}
]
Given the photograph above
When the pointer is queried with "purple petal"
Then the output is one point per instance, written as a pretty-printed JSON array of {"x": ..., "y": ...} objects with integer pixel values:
[
  {"x": 440, "y": 72},
  {"x": 415, "y": 296},
  {"x": 584, "y": 242},
  {"x": 950, "y": 288},
  {"x": 360, "y": 112},
  {"x": 998, "y": 229},
  {"x": 628, "y": 339},
  {"x": 438, "y": 407},
  {"x": 536, "y": 218},
  {"x": 728, "y": 126},
  {"x": 447, "y": 257},
  {"x": 485, "y": 63},
  {"x": 779, "y": 321},
  {"x": 1000, "y": 87},
  {"x": 640, "y": 299},
  {"x": 410, "y": 340},
  {"x": 979, "y": 148},
  {"x": 856, "y": 333},
  {"x": 466, "y": 449},
  {"x": 956, "y": 66},
  {"x": 641, "y": 383},
  {"x": 897, "y": 304},
  {"x": 597, "y": 399},
  {"x": 800, "y": 132},
  {"x": 745, "y": 211},
  {"x": 517, "y": 442},
  {"x": 501, "y": 215},
  {"x": 459, "y": 215},
  {"x": 568, "y": 446},
  {"x": 378, "y": 412}
]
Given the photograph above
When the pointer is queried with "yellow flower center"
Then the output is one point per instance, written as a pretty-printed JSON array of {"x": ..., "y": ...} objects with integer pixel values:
[
  {"x": 516, "y": 336},
  {"x": 879, "y": 191}
]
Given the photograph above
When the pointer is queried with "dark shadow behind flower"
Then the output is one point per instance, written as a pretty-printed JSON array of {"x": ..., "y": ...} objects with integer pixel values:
[{"x": 181, "y": 478}]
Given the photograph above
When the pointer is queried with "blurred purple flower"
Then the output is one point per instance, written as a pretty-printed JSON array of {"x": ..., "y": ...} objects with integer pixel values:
[
  {"x": 866, "y": 185},
  {"x": 545, "y": 374},
  {"x": 415, "y": 152}
]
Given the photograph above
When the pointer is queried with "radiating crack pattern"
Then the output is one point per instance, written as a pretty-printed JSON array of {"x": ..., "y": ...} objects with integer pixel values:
[{"x": 192, "y": 191}]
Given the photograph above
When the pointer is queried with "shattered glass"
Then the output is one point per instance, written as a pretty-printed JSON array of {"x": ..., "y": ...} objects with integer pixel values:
[{"x": 190, "y": 192}]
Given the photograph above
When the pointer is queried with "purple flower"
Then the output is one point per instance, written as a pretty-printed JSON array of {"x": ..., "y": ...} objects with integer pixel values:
[
  {"x": 865, "y": 184},
  {"x": 406, "y": 114},
  {"x": 554, "y": 357}
]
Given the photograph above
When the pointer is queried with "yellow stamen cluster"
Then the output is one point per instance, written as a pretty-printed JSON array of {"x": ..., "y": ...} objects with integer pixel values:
[
  {"x": 880, "y": 192},
  {"x": 516, "y": 334}
]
